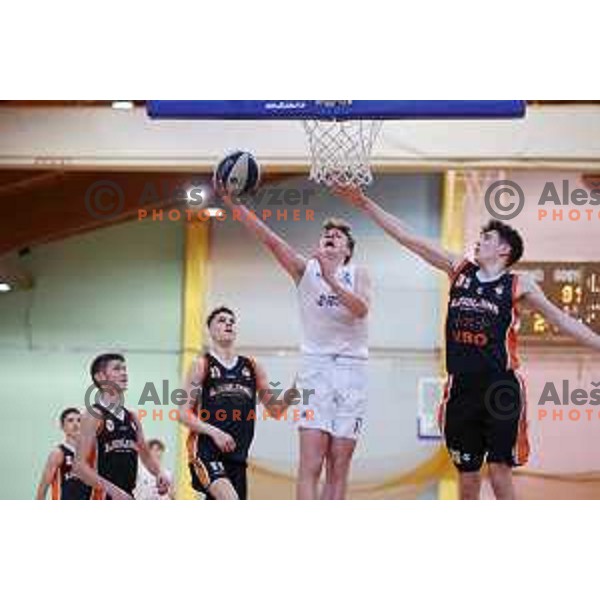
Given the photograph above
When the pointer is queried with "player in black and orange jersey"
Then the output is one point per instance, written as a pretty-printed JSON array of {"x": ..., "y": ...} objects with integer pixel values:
[
  {"x": 58, "y": 472},
  {"x": 483, "y": 415},
  {"x": 112, "y": 437},
  {"x": 223, "y": 389}
]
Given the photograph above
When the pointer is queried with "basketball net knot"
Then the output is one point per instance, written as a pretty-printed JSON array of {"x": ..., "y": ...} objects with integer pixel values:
[{"x": 341, "y": 150}]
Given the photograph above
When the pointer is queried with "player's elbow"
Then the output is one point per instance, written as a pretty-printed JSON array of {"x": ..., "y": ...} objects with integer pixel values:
[
  {"x": 183, "y": 416},
  {"x": 362, "y": 310}
]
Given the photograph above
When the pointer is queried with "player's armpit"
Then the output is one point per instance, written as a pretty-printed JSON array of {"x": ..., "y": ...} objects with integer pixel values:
[
  {"x": 526, "y": 287},
  {"x": 529, "y": 292},
  {"x": 458, "y": 264}
]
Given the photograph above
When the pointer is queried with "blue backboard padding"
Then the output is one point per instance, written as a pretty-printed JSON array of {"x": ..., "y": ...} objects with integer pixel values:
[{"x": 357, "y": 109}]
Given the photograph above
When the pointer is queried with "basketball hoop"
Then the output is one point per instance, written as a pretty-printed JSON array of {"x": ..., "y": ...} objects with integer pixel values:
[
  {"x": 341, "y": 133},
  {"x": 341, "y": 149}
]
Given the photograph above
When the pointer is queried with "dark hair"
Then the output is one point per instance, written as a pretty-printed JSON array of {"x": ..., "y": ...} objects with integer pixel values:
[
  {"x": 345, "y": 228},
  {"x": 216, "y": 311},
  {"x": 100, "y": 363},
  {"x": 154, "y": 442},
  {"x": 509, "y": 236},
  {"x": 65, "y": 413}
]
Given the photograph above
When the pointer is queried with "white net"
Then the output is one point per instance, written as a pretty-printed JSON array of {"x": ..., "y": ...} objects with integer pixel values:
[{"x": 341, "y": 150}]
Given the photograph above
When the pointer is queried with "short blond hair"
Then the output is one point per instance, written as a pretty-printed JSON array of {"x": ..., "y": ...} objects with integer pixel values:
[{"x": 345, "y": 228}]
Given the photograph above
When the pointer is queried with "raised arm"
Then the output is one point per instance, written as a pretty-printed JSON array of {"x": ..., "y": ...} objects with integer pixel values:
[
  {"x": 530, "y": 292},
  {"x": 429, "y": 251},
  {"x": 87, "y": 473},
  {"x": 285, "y": 255},
  {"x": 187, "y": 415},
  {"x": 52, "y": 465}
]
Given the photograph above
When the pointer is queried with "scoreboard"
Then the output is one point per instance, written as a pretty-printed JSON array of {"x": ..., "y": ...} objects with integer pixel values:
[{"x": 573, "y": 287}]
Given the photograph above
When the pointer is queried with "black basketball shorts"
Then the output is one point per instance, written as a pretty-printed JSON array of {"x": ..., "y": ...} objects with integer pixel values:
[{"x": 483, "y": 418}]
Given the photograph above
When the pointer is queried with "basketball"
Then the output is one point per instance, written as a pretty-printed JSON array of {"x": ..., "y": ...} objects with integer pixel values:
[{"x": 238, "y": 173}]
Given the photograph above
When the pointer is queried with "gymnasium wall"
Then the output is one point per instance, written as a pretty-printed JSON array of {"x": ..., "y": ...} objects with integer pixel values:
[
  {"x": 404, "y": 320},
  {"x": 117, "y": 288},
  {"x": 117, "y": 139}
]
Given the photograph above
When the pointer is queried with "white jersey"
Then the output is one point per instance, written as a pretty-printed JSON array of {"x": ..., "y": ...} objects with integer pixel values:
[
  {"x": 145, "y": 488},
  {"x": 328, "y": 327}
]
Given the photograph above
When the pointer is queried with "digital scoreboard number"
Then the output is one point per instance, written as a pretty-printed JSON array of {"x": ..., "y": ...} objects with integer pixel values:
[{"x": 573, "y": 287}]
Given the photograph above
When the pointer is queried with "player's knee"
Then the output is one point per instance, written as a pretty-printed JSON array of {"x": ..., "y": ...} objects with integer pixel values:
[
  {"x": 470, "y": 485},
  {"x": 500, "y": 472},
  {"x": 310, "y": 467},
  {"x": 501, "y": 480},
  {"x": 338, "y": 465},
  {"x": 499, "y": 466},
  {"x": 221, "y": 489},
  {"x": 337, "y": 471}
]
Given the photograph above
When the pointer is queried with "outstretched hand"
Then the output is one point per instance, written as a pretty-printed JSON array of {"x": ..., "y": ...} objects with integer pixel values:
[
  {"x": 350, "y": 193},
  {"x": 223, "y": 441},
  {"x": 221, "y": 192}
]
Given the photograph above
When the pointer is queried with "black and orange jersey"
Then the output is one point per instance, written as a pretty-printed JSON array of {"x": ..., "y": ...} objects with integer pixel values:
[
  {"x": 482, "y": 322},
  {"x": 65, "y": 485},
  {"x": 116, "y": 448},
  {"x": 228, "y": 402}
]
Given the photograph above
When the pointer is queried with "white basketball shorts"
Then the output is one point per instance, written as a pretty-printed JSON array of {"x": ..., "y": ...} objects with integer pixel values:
[{"x": 334, "y": 394}]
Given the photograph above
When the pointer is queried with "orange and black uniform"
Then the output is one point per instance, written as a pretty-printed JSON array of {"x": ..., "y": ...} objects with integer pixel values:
[
  {"x": 66, "y": 486},
  {"x": 116, "y": 449},
  {"x": 482, "y": 415},
  {"x": 228, "y": 402}
]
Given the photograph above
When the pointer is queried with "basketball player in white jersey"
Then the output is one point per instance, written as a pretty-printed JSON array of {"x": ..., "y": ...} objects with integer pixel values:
[
  {"x": 146, "y": 487},
  {"x": 334, "y": 298}
]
